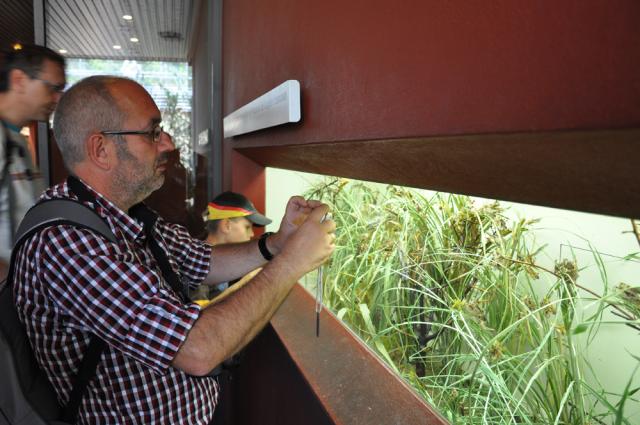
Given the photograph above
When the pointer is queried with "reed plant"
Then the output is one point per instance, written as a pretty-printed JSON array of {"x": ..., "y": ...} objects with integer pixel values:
[{"x": 451, "y": 296}]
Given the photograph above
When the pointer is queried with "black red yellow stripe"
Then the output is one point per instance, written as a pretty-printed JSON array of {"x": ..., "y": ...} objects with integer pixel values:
[{"x": 219, "y": 212}]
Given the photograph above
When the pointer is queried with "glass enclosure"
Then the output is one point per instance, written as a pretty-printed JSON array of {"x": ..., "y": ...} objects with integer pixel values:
[{"x": 495, "y": 312}]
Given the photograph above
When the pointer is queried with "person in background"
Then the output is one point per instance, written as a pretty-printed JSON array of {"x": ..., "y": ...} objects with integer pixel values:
[
  {"x": 71, "y": 284},
  {"x": 31, "y": 82},
  {"x": 230, "y": 218}
]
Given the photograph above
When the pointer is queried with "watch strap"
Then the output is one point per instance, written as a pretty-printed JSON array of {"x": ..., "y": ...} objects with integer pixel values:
[{"x": 262, "y": 246}]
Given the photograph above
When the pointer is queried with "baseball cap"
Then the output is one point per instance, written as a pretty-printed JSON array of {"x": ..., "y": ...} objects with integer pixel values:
[{"x": 230, "y": 205}]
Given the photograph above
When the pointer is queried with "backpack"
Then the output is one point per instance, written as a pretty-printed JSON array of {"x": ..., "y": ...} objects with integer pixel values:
[{"x": 26, "y": 396}]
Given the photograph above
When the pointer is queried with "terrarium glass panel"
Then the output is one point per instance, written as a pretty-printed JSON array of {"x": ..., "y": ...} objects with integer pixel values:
[{"x": 495, "y": 312}]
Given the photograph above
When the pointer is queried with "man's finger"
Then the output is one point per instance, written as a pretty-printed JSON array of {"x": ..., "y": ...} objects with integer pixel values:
[
  {"x": 297, "y": 202},
  {"x": 312, "y": 203},
  {"x": 319, "y": 212},
  {"x": 329, "y": 226}
]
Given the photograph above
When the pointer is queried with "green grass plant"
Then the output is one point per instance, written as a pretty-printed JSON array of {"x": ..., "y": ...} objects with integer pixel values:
[{"x": 452, "y": 298}]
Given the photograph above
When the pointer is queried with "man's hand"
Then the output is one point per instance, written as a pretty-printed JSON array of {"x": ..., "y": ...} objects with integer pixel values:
[
  {"x": 227, "y": 326},
  {"x": 313, "y": 241},
  {"x": 296, "y": 213}
]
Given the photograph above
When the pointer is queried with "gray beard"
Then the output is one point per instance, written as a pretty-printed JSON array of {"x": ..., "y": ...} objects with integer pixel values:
[{"x": 130, "y": 186}]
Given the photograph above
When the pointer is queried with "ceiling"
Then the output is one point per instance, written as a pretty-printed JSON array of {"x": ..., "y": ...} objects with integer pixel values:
[
  {"x": 91, "y": 29},
  {"x": 16, "y": 21}
]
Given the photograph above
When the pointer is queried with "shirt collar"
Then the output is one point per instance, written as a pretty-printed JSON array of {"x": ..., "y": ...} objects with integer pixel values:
[
  {"x": 11, "y": 127},
  {"x": 110, "y": 211}
]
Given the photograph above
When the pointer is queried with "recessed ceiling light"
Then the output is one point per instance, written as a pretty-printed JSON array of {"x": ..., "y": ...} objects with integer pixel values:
[
  {"x": 62, "y": 51},
  {"x": 117, "y": 46},
  {"x": 134, "y": 39},
  {"x": 127, "y": 17}
]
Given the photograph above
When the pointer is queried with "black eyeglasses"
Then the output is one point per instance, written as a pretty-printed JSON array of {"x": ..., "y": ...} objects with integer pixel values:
[
  {"x": 154, "y": 134},
  {"x": 54, "y": 88}
]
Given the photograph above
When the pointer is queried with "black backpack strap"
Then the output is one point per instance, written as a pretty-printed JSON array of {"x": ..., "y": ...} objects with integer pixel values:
[
  {"x": 85, "y": 374},
  {"x": 149, "y": 218},
  {"x": 60, "y": 211}
]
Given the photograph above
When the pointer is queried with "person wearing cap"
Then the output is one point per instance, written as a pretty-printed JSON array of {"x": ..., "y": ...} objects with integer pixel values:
[{"x": 230, "y": 219}]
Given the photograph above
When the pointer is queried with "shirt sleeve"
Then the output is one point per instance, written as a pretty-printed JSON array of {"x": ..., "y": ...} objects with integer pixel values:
[
  {"x": 190, "y": 257},
  {"x": 110, "y": 293}
]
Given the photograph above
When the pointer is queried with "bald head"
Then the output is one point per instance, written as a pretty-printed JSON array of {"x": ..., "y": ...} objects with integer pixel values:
[
  {"x": 108, "y": 130},
  {"x": 92, "y": 105}
]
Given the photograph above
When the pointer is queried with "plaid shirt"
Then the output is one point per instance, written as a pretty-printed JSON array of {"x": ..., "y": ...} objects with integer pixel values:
[{"x": 71, "y": 283}]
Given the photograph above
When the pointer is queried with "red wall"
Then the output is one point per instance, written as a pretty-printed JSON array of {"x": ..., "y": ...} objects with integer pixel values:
[
  {"x": 248, "y": 178},
  {"x": 386, "y": 69}
]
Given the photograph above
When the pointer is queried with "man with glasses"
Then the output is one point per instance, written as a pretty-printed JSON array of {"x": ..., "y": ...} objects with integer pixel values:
[
  {"x": 72, "y": 284},
  {"x": 31, "y": 82}
]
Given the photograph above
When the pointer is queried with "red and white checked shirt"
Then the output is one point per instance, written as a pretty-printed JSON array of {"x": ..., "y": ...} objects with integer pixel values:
[{"x": 70, "y": 282}]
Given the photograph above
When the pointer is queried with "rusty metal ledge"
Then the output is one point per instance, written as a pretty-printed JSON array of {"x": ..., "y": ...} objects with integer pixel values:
[{"x": 351, "y": 383}]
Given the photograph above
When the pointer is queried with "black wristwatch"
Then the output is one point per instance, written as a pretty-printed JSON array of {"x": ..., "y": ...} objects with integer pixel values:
[{"x": 262, "y": 246}]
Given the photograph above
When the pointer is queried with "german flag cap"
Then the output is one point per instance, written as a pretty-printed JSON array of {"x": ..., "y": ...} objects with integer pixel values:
[{"x": 231, "y": 205}]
